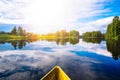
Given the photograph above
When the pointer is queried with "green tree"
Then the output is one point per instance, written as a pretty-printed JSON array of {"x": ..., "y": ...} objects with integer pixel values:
[
  {"x": 74, "y": 34},
  {"x": 63, "y": 34},
  {"x": 93, "y": 34},
  {"x": 113, "y": 29},
  {"x": 14, "y": 31},
  {"x": 21, "y": 32}
]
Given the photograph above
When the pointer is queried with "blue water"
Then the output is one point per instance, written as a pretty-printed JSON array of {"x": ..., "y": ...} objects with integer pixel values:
[{"x": 82, "y": 61}]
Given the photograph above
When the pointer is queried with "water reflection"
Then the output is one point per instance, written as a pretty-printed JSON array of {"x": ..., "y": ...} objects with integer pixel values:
[
  {"x": 63, "y": 41},
  {"x": 78, "y": 61},
  {"x": 113, "y": 46},
  {"x": 79, "y": 65},
  {"x": 16, "y": 43},
  {"x": 19, "y": 44},
  {"x": 93, "y": 40}
]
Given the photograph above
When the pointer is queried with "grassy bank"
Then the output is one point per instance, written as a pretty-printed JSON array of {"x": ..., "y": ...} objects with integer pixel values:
[{"x": 7, "y": 37}]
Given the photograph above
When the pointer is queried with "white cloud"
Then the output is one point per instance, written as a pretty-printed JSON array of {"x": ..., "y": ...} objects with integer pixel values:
[
  {"x": 99, "y": 49},
  {"x": 51, "y": 15},
  {"x": 69, "y": 9},
  {"x": 11, "y": 11},
  {"x": 100, "y": 24}
]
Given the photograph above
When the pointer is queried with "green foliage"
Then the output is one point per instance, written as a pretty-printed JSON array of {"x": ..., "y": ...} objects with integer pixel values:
[
  {"x": 61, "y": 34},
  {"x": 21, "y": 32},
  {"x": 74, "y": 34},
  {"x": 113, "y": 29},
  {"x": 62, "y": 37},
  {"x": 18, "y": 34},
  {"x": 11, "y": 37},
  {"x": 93, "y": 34},
  {"x": 14, "y": 31}
]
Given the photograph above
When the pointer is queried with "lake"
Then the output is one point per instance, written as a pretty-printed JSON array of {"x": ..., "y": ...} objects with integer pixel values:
[{"x": 80, "y": 59}]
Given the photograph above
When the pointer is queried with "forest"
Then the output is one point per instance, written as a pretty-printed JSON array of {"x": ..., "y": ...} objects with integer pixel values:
[{"x": 112, "y": 32}]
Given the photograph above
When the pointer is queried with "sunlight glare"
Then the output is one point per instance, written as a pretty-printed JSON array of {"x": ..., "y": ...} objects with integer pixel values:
[{"x": 47, "y": 14}]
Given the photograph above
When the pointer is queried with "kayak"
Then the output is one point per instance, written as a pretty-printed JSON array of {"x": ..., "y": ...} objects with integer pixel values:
[{"x": 56, "y": 74}]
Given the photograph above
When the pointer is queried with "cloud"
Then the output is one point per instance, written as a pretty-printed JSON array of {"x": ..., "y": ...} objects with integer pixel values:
[
  {"x": 71, "y": 10},
  {"x": 11, "y": 11},
  {"x": 99, "y": 49},
  {"x": 100, "y": 24},
  {"x": 51, "y": 15}
]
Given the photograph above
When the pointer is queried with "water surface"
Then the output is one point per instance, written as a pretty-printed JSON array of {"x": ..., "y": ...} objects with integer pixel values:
[{"x": 80, "y": 59}]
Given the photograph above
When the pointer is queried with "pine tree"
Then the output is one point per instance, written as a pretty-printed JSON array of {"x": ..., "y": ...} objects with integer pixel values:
[
  {"x": 21, "y": 32},
  {"x": 14, "y": 31}
]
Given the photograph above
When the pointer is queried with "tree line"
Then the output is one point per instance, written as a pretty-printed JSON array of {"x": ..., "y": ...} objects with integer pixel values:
[
  {"x": 93, "y": 34},
  {"x": 62, "y": 34},
  {"x": 20, "y": 31},
  {"x": 112, "y": 32}
]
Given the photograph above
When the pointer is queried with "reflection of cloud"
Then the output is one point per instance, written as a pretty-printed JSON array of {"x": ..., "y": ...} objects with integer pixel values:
[
  {"x": 52, "y": 47},
  {"x": 71, "y": 63},
  {"x": 28, "y": 58},
  {"x": 14, "y": 60},
  {"x": 90, "y": 47}
]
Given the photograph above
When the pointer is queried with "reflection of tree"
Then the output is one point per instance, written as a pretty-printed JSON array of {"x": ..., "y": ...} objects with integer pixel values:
[
  {"x": 57, "y": 41},
  {"x": 2, "y": 42},
  {"x": 63, "y": 41},
  {"x": 74, "y": 40},
  {"x": 21, "y": 44},
  {"x": 18, "y": 43},
  {"x": 113, "y": 46},
  {"x": 14, "y": 44},
  {"x": 93, "y": 40}
]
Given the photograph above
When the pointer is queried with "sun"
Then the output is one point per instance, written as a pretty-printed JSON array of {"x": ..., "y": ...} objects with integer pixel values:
[{"x": 46, "y": 14}]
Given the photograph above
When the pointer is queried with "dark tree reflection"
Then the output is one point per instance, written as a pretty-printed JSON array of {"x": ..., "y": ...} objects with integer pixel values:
[
  {"x": 93, "y": 40},
  {"x": 18, "y": 44},
  {"x": 63, "y": 41},
  {"x": 21, "y": 44},
  {"x": 14, "y": 44},
  {"x": 113, "y": 46},
  {"x": 73, "y": 41}
]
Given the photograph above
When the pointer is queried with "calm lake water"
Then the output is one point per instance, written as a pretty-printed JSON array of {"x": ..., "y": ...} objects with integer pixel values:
[{"x": 80, "y": 59}]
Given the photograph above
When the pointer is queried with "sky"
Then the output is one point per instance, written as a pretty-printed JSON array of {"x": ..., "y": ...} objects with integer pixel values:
[{"x": 43, "y": 16}]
